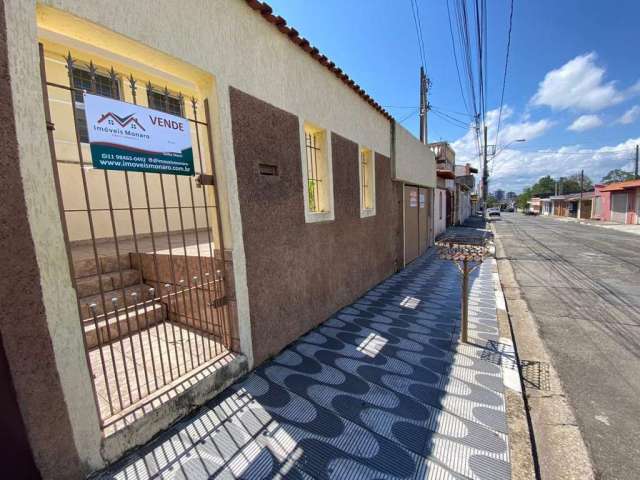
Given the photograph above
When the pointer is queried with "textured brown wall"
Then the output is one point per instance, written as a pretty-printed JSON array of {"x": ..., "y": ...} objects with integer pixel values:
[
  {"x": 23, "y": 322},
  {"x": 300, "y": 273}
]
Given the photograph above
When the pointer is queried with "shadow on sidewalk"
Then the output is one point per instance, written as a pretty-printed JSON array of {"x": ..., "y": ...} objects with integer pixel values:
[{"x": 381, "y": 389}]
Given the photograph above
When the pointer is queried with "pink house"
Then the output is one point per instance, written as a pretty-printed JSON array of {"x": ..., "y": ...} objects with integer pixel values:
[{"x": 618, "y": 202}]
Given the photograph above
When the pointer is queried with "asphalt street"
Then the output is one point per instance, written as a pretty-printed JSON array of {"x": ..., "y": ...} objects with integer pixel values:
[{"x": 582, "y": 285}]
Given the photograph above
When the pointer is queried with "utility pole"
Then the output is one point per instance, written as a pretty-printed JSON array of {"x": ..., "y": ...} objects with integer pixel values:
[
  {"x": 636, "y": 169},
  {"x": 485, "y": 173},
  {"x": 424, "y": 102},
  {"x": 581, "y": 190}
]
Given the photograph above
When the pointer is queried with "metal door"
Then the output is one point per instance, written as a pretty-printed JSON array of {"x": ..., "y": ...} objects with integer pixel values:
[
  {"x": 411, "y": 224},
  {"x": 619, "y": 207},
  {"x": 423, "y": 217},
  {"x": 148, "y": 274}
]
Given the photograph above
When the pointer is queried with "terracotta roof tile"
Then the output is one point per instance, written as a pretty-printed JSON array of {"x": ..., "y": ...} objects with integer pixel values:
[
  {"x": 267, "y": 13},
  {"x": 621, "y": 185}
]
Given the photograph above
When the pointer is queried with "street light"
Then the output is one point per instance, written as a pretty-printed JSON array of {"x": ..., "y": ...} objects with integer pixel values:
[{"x": 504, "y": 147}]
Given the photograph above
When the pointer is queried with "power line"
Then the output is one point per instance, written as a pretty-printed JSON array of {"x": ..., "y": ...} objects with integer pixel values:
[
  {"x": 398, "y": 106},
  {"x": 504, "y": 76},
  {"x": 455, "y": 57},
  {"x": 408, "y": 116},
  {"x": 418, "y": 27},
  {"x": 451, "y": 120},
  {"x": 451, "y": 112}
]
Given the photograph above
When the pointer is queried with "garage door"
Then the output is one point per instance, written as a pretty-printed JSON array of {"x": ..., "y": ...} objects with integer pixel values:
[
  {"x": 619, "y": 207},
  {"x": 411, "y": 224}
]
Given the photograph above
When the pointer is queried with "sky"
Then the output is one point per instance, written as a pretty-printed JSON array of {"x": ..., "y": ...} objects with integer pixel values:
[{"x": 572, "y": 89}]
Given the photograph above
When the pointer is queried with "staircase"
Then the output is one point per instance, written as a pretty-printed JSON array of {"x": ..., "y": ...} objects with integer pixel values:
[{"x": 128, "y": 305}]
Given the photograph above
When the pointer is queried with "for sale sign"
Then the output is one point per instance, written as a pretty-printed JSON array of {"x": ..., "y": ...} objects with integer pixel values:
[{"x": 123, "y": 136}]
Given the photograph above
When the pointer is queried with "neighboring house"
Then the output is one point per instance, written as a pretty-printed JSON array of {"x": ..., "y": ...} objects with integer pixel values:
[
  {"x": 445, "y": 158},
  {"x": 134, "y": 296},
  {"x": 559, "y": 205},
  {"x": 474, "y": 203},
  {"x": 546, "y": 207},
  {"x": 535, "y": 205},
  {"x": 618, "y": 202},
  {"x": 465, "y": 183},
  {"x": 580, "y": 205},
  {"x": 570, "y": 205}
]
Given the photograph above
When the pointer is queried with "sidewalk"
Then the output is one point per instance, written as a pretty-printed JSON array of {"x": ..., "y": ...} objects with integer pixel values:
[
  {"x": 620, "y": 227},
  {"x": 380, "y": 390}
]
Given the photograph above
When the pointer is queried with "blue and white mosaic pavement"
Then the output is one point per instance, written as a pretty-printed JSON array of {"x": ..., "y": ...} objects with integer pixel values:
[{"x": 383, "y": 389}]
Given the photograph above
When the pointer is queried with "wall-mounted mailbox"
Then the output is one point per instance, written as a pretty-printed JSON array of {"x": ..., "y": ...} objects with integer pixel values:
[{"x": 268, "y": 170}]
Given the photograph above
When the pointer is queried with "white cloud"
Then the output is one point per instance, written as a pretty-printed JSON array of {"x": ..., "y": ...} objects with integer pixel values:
[
  {"x": 510, "y": 131},
  {"x": 585, "y": 122},
  {"x": 516, "y": 167},
  {"x": 579, "y": 84},
  {"x": 630, "y": 115}
]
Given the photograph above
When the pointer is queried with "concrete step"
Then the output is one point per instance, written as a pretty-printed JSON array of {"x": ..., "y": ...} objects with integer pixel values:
[
  {"x": 90, "y": 285},
  {"x": 86, "y": 267},
  {"x": 141, "y": 291},
  {"x": 104, "y": 329}
]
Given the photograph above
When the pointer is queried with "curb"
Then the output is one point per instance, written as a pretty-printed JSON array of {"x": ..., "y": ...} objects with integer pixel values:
[{"x": 522, "y": 450}]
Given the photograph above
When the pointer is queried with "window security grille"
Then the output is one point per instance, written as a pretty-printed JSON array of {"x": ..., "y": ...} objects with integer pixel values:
[
  {"x": 105, "y": 85},
  {"x": 313, "y": 168}
]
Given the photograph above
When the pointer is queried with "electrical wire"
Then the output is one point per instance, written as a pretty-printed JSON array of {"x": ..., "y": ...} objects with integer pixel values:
[
  {"x": 450, "y": 119},
  {"x": 451, "y": 112},
  {"x": 504, "y": 76},
  {"x": 409, "y": 115},
  {"x": 418, "y": 27}
]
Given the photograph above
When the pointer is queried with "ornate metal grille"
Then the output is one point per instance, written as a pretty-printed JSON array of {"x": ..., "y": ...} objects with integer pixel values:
[{"x": 149, "y": 279}]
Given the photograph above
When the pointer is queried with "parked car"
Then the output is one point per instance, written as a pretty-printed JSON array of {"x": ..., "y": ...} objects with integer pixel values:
[
  {"x": 509, "y": 208},
  {"x": 493, "y": 212}
]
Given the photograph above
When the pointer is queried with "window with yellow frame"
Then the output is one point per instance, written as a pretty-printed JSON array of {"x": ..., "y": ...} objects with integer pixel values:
[
  {"x": 317, "y": 174},
  {"x": 367, "y": 182}
]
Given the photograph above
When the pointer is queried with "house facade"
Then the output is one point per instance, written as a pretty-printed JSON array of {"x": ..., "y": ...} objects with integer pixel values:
[
  {"x": 573, "y": 205},
  {"x": 618, "y": 202},
  {"x": 465, "y": 184},
  {"x": 143, "y": 285},
  {"x": 446, "y": 207},
  {"x": 535, "y": 205}
]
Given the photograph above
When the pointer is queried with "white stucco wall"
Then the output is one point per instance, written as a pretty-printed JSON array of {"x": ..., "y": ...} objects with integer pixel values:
[
  {"x": 235, "y": 46},
  {"x": 230, "y": 45},
  {"x": 58, "y": 296},
  {"x": 464, "y": 205},
  {"x": 414, "y": 161},
  {"x": 439, "y": 216}
]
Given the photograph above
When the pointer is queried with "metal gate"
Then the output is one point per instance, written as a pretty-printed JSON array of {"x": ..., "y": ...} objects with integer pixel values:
[
  {"x": 149, "y": 277},
  {"x": 619, "y": 207}
]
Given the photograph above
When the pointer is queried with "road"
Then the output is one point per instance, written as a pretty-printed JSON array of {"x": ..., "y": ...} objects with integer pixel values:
[{"x": 582, "y": 285}]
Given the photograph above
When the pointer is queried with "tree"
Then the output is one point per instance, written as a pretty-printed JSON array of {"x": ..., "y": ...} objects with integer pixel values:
[
  {"x": 572, "y": 184},
  {"x": 544, "y": 187},
  {"x": 492, "y": 201},
  {"x": 523, "y": 198},
  {"x": 617, "y": 175}
]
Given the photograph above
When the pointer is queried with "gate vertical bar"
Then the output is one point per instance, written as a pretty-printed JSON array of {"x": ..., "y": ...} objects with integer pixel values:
[
  {"x": 72, "y": 91},
  {"x": 63, "y": 221}
]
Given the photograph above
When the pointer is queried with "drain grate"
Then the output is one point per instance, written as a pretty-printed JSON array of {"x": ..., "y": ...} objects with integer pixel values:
[{"x": 535, "y": 374}]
